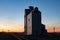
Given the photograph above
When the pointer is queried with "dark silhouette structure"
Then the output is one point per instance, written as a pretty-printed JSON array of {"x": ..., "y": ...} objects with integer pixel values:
[{"x": 32, "y": 22}]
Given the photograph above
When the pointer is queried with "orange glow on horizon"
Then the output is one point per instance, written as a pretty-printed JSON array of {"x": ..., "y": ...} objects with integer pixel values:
[
  {"x": 12, "y": 30},
  {"x": 51, "y": 30},
  {"x": 20, "y": 28},
  {"x": 50, "y": 27},
  {"x": 16, "y": 28}
]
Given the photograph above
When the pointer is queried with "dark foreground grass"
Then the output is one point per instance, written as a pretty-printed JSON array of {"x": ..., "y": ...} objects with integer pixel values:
[
  {"x": 7, "y": 36},
  {"x": 48, "y": 36}
]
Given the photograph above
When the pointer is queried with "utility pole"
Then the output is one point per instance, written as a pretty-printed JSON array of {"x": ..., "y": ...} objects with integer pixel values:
[
  {"x": 54, "y": 29},
  {"x": 8, "y": 30}
]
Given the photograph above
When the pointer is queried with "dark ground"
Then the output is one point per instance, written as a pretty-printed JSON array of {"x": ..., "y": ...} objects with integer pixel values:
[
  {"x": 6, "y": 36},
  {"x": 49, "y": 36}
]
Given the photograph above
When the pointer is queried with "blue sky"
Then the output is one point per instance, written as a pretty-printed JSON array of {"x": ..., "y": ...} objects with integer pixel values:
[{"x": 12, "y": 12}]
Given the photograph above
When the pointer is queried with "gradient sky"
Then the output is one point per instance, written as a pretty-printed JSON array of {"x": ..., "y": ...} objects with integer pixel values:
[{"x": 12, "y": 13}]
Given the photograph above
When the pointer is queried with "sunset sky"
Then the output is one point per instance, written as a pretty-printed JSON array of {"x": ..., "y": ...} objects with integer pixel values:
[{"x": 12, "y": 14}]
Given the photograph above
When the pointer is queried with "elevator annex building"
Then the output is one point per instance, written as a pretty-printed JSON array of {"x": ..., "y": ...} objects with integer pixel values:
[{"x": 32, "y": 21}]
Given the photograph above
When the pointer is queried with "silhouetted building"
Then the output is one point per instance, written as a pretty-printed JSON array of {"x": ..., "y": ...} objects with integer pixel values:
[{"x": 32, "y": 22}]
